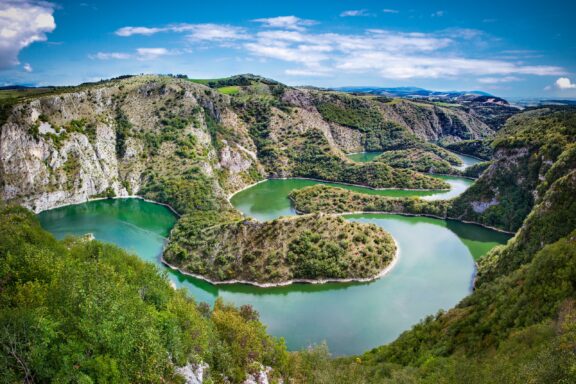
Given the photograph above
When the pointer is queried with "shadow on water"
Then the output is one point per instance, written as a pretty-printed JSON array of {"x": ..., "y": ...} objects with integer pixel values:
[{"x": 478, "y": 239}]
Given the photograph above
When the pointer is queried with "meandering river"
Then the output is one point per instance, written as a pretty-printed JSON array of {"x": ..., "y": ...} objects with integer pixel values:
[{"x": 434, "y": 271}]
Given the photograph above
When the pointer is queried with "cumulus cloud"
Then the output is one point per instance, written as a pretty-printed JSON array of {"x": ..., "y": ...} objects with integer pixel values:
[
  {"x": 564, "y": 83},
  {"x": 387, "y": 53},
  {"x": 437, "y": 14},
  {"x": 21, "y": 24},
  {"x": 354, "y": 12},
  {"x": 27, "y": 67},
  {"x": 287, "y": 22}
]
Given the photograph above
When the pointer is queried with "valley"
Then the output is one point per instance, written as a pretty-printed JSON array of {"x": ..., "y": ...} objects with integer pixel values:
[{"x": 266, "y": 196}]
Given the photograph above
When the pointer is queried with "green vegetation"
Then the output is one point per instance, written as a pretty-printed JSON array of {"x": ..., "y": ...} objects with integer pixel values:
[
  {"x": 551, "y": 219},
  {"x": 313, "y": 158},
  {"x": 229, "y": 90},
  {"x": 85, "y": 312},
  {"x": 476, "y": 170},
  {"x": 324, "y": 198},
  {"x": 477, "y": 148},
  {"x": 532, "y": 150},
  {"x": 350, "y": 111},
  {"x": 305, "y": 247},
  {"x": 71, "y": 169},
  {"x": 123, "y": 128},
  {"x": 417, "y": 159}
]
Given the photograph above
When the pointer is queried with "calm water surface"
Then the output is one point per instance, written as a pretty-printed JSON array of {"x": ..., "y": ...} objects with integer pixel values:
[{"x": 434, "y": 270}]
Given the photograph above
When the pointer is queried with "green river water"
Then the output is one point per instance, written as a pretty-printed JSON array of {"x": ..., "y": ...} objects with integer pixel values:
[{"x": 434, "y": 270}]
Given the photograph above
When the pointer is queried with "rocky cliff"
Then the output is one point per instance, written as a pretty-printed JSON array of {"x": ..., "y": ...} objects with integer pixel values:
[
  {"x": 123, "y": 137},
  {"x": 99, "y": 140},
  {"x": 532, "y": 151}
]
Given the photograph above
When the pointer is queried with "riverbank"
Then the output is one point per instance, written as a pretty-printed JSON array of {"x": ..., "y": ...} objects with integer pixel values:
[
  {"x": 406, "y": 214},
  {"x": 341, "y": 183},
  {"x": 113, "y": 198}
]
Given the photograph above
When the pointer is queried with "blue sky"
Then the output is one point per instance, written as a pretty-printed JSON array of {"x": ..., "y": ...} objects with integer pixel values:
[{"x": 509, "y": 48}]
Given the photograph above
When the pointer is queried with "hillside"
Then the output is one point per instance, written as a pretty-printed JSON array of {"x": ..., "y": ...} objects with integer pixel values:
[
  {"x": 77, "y": 310},
  {"x": 519, "y": 324},
  {"x": 532, "y": 151},
  {"x": 190, "y": 145},
  {"x": 182, "y": 143}
]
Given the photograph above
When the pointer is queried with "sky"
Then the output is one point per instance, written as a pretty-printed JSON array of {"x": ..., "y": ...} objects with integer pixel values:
[{"x": 508, "y": 48}]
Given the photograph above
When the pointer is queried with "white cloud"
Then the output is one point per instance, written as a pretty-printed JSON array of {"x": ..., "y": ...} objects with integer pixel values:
[
  {"x": 438, "y": 14},
  {"x": 110, "y": 55},
  {"x": 140, "y": 54},
  {"x": 307, "y": 72},
  {"x": 213, "y": 32},
  {"x": 399, "y": 66},
  {"x": 151, "y": 53},
  {"x": 390, "y": 11},
  {"x": 27, "y": 67},
  {"x": 382, "y": 52},
  {"x": 196, "y": 32},
  {"x": 354, "y": 12},
  {"x": 129, "y": 31},
  {"x": 287, "y": 22},
  {"x": 564, "y": 83},
  {"x": 496, "y": 80},
  {"x": 21, "y": 24}
]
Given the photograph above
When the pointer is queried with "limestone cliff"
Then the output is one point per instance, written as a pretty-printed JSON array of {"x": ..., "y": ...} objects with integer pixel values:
[
  {"x": 98, "y": 140},
  {"x": 130, "y": 136}
]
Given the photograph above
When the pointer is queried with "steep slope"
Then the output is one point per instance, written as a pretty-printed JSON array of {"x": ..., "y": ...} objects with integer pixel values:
[
  {"x": 83, "y": 311},
  {"x": 177, "y": 142},
  {"x": 530, "y": 153},
  {"x": 519, "y": 325},
  {"x": 120, "y": 137}
]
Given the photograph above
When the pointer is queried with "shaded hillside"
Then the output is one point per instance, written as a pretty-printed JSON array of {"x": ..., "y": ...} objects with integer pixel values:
[{"x": 533, "y": 150}]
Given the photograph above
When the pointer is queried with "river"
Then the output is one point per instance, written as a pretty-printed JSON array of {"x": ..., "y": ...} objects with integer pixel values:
[{"x": 434, "y": 271}]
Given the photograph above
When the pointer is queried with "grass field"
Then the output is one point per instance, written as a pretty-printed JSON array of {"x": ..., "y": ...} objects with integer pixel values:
[{"x": 230, "y": 90}]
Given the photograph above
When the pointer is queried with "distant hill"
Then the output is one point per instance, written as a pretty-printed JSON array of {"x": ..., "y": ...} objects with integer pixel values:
[{"x": 410, "y": 92}]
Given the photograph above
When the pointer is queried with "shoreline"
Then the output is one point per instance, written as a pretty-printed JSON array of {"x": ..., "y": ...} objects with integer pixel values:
[
  {"x": 465, "y": 154},
  {"x": 406, "y": 214},
  {"x": 113, "y": 198},
  {"x": 343, "y": 183},
  {"x": 380, "y": 274}
]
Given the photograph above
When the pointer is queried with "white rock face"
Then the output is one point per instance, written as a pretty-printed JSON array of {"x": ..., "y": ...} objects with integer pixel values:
[
  {"x": 41, "y": 175},
  {"x": 44, "y": 164},
  {"x": 481, "y": 206},
  {"x": 193, "y": 373},
  {"x": 260, "y": 377}
]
